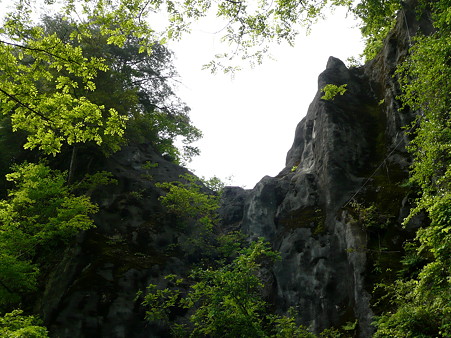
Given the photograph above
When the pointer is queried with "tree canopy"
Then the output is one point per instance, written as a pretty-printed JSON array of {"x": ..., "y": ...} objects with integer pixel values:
[
  {"x": 139, "y": 86},
  {"x": 39, "y": 215}
]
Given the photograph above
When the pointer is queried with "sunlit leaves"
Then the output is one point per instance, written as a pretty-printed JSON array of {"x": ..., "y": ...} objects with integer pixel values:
[
  {"x": 136, "y": 85},
  {"x": 378, "y": 18},
  {"x": 51, "y": 117},
  {"x": 225, "y": 302},
  {"x": 190, "y": 200},
  {"x": 426, "y": 88},
  {"x": 44, "y": 103},
  {"x": 331, "y": 91},
  {"x": 42, "y": 204},
  {"x": 246, "y": 27},
  {"x": 15, "y": 324},
  {"x": 49, "y": 86},
  {"x": 39, "y": 214}
]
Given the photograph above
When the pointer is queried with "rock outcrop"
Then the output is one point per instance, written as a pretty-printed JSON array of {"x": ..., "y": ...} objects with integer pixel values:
[
  {"x": 92, "y": 291},
  {"x": 330, "y": 212},
  {"x": 348, "y": 156},
  {"x": 301, "y": 211}
]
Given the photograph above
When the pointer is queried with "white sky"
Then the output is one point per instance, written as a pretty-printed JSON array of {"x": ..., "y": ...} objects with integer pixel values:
[{"x": 249, "y": 121}]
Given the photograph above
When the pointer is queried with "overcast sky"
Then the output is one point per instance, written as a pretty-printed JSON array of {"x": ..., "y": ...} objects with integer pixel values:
[{"x": 249, "y": 121}]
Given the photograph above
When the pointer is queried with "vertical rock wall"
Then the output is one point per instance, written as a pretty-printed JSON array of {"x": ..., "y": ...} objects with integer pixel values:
[
  {"x": 350, "y": 149},
  {"x": 299, "y": 210},
  {"x": 92, "y": 291}
]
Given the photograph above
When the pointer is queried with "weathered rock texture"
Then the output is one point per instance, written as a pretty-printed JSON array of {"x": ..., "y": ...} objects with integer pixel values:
[
  {"x": 348, "y": 155},
  {"x": 92, "y": 291},
  {"x": 301, "y": 211}
]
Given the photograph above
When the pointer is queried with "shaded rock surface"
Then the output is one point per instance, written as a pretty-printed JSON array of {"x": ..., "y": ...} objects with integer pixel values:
[
  {"x": 301, "y": 210},
  {"x": 92, "y": 291},
  {"x": 347, "y": 154}
]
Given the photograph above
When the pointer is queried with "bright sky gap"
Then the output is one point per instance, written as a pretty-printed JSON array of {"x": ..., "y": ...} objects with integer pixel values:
[{"x": 249, "y": 121}]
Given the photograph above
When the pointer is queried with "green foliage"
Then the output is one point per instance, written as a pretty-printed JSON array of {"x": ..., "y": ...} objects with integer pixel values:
[
  {"x": 330, "y": 333},
  {"x": 16, "y": 325},
  {"x": 50, "y": 118},
  {"x": 422, "y": 298},
  {"x": 138, "y": 85},
  {"x": 353, "y": 62},
  {"x": 18, "y": 276},
  {"x": 225, "y": 297},
  {"x": 423, "y": 301},
  {"x": 331, "y": 90},
  {"x": 11, "y": 151},
  {"x": 162, "y": 129},
  {"x": 93, "y": 181},
  {"x": 190, "y": 200},
  {"x": 150, "y": 165},
  {"x": 39, "y": 215},
  {"x": 416, "y": 315},
  {"x": 425, "y": 82},
  {"x": 77, "y": 79},
  {"x": 52, "y": 83},
  {"x": 249, "y": 27},
  {"x": 230, "y": 297},
  {"x": 42, "y": 204},
  {"x": 378, "y": 18},
  {"x": 214, "y": 183},
  {"x": 412, "y": 261},
  {"x": 230, "y": 243},
  {"x": 286, "y": 327},
  {"x": 161, "y": 301},
  {"x": 350, "y": 326},
  {"x": 193, "y": 205},
  {"x": 369, "y": 217},
  {"x": 225, "y": 302}
]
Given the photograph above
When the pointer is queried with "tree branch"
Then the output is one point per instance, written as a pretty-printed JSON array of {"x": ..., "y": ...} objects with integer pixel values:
[
  {"x": 39, "y": 50},
  {"x": 20, "y": 103}
]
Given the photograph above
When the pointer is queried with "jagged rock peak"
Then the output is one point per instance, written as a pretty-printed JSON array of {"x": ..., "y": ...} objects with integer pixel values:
[
  {"x": 297, "y": 210},
  {"x": 303, "y": 211},
  {"x": 336, "y": 156}
]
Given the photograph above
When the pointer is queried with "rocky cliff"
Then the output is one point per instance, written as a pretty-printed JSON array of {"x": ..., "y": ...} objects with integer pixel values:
[
  {"x": 92, "y": 291},
  {"x": 333, "y": 212}
]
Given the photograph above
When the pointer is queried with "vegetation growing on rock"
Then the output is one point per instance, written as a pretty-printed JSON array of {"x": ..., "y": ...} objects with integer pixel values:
[{"x": 71, "y": 84}]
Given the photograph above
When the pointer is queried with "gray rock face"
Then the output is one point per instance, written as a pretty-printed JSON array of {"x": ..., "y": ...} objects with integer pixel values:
[
  {"x": 298, "y": 211},
  {"x": 348, "y": 149},
  {"x": 92, "y": 291}
]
